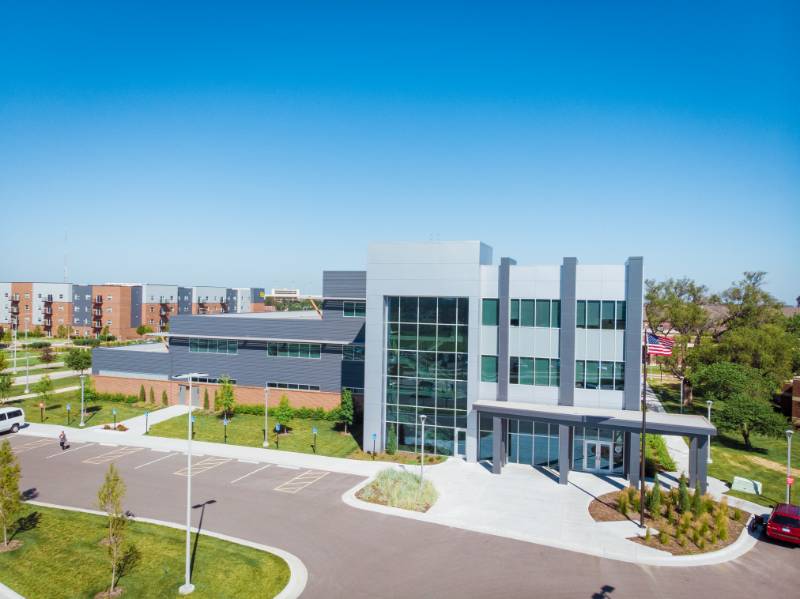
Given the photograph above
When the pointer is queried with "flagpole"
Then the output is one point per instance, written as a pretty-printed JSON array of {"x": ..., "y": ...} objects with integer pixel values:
[{"x": 643, "y": 433}]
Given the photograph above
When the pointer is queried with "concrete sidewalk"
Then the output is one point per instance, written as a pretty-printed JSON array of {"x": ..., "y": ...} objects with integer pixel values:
[
  {"x": 19, "y": 379},
  {"x": 53, "y": 392},
  {"x": 40, "y": 366},
  {"x": 137, "y": 424}
]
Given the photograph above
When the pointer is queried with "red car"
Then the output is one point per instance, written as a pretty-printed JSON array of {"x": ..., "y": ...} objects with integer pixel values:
[{"x": 784, "y": 523}]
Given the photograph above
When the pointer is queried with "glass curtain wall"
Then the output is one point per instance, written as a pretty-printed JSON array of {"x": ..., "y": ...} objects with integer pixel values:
[{"x": 426, "y": 370}]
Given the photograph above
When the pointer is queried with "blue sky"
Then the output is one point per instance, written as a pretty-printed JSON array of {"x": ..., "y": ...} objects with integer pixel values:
[{"x": 257, "y": 144}]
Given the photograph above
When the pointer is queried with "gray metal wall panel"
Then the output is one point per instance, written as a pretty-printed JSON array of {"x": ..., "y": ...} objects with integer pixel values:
[
  {"x": 345, "y": 330},
  {"x": 136, "y": 306},
  {"x": 634, "y": 279},
  {"x": 333, "y": 309},
  {"x": 184, "y": 301},
  {"x": 257, "y": 295},
  {"x": 231, "y": 300},
  {"x": 344, "y": 283},
  {"x": 252, "y": 367},
  {"x": 81, "y": 307},
  {"x": 504, "y": 277},
  {"x": 122, "y": 360},
  {"x": 566, "y": 348}
]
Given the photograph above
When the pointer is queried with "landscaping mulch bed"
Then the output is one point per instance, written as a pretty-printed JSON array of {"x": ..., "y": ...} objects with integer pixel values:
[{"x": 604, "y": 509}]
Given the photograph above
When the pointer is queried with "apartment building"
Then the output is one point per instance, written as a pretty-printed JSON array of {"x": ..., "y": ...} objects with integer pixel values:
[{"x": 210, "y": 300}]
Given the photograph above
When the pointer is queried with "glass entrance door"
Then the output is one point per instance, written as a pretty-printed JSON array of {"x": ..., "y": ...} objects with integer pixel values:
[
  {"x": 597, "y": 457},
  {"x": 461, "y": 443}
]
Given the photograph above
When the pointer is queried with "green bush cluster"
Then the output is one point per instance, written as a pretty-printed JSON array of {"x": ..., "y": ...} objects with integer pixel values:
[
  {"x": 402, "y": 489},
  {"x": 39, "y": 344},
  {"x": 300, "y": 413},
  {"x": 87, "y": 341},
  {"x": 92, "y": 395}
]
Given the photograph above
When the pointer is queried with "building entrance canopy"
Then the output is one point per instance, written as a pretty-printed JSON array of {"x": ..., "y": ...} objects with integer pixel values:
[{"x": 625, "y": 420}]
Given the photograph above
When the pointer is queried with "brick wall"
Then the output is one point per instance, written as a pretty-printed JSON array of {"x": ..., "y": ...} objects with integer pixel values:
[{"x": 244, "y": 395}]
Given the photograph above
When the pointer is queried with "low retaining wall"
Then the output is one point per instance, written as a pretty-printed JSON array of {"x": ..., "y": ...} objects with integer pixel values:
[{"x": 244, "y": 395}]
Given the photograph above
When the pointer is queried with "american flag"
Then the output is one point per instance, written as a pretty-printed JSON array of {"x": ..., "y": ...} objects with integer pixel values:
[{"x": 659, "y": 346}]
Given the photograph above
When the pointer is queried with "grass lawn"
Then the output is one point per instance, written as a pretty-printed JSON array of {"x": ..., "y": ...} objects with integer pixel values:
[
  {"x": 61, "y": 557},
  {"x": 67, "y": 381},
  {"x": 766, "y": 462},
  {"x": 246, "y": 429},
  {"x": 97, "y": 412}
]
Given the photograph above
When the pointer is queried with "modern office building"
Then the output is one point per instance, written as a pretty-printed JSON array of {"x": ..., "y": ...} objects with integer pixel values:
[
  {"x": 307, "y": 356},
  {"x": 537, "y": 365}
]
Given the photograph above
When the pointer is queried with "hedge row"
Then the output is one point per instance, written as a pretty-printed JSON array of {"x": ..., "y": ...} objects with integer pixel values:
[{"x": 92, "y": 395}]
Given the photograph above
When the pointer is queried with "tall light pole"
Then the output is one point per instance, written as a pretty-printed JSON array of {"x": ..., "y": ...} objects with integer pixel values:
[
  {"x": 789, "y": 433},
  {"x": 187, "y": 587},
  {"x": 422, "y": 419},
  {"x": 27, "y": 373},
  {"x": 83, "y": 413},
  {"x": 14, "y": 346},
  {"x": 266, "y": 407},
  {"x": 681, "y": 395},
  {"x": 708, "y": 404}
]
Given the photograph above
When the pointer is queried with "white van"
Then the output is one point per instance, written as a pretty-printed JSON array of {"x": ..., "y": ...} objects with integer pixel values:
[{"x": 11, "y": 419}]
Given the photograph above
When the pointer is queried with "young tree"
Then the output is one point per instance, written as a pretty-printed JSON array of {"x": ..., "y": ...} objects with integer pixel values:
[
  {"x": 43, "y": 388},
  {"x": 227, "y": 397},
  {"x": 346, "y": 409},
  {"x": 284, "y": 412},
  {"x": 746, "y": 415},
  {"x": 391, "y": 441},
  {"x": 46, "y": 355},
  {"x": 654, "y": 499},
  {"x": 6, "y": 382},
  {"x": 142, "y": 394},
  {"x": 104, "y": 332},
  {"x": 78, "y": 359},
  {"x": 164, "y": 398},
  {"x": 62, "y": 332},
  {"x": 9, "y": 488},
  {"x": 152, "y": 397},
  {"x": 109, "y": 499},
  {"x": 684, "y": 502},
  {"x": 3, "y": 361},
  {"x": 143, "y": 330}
]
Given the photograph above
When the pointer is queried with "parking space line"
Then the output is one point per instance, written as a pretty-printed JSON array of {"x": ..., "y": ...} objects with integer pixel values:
[
  {"x": 247, "y": 461},
  {"x": 288, "y": 467},
  {"x": 109, "y": 444},
  {"x": 300, "y": 482},
  {"x": 30, "y": 445},
  {"x": 112, "y": 455},
  {"x": 203, "y": 465},
  {"x": 161, "y": 450},
  {"x": 55, "y": 455},
  {"x": 154, "y": 461},
  {"x": 236, "y": 480}
]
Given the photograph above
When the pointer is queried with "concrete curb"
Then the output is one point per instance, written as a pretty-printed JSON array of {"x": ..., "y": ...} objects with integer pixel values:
[
  {"x": 298, "y": 574},
  {"x": 7, "y": 593},
  {"x": 742, "y": 545}
]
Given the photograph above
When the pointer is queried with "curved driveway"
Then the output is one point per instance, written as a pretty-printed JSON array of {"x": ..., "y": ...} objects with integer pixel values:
[{"x": 355, "y": 553}]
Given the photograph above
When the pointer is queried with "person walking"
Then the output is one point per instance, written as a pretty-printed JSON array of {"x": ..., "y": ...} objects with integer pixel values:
[{"x": 62, "y": 440}]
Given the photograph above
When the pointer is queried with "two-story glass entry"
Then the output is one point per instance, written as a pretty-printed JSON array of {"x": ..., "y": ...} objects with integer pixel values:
[{"x": 426, "y": 372}]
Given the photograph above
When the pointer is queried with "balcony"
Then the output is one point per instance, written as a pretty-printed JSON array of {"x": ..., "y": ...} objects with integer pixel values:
[
  {"x": 15, "y": 309},
  {"x": 47, "y": 310},
  {"x": 97, "y": 324},
  {"x": 15, "y": 297},
  {"x": 48, "y": 299},
  {"x": 97, "y": 312},
  {"x": 163, "y": 312},
  {"x": 48, "y": 323},
  {"x": 98, "y": 299}
]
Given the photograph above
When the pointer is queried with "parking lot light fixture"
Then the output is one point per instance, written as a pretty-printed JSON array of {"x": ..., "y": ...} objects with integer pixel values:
[
  {"x": 187, "y": 587},
  {"x": 27, "y": 372},
  {"x": 422, "y": 419},
  {"x": 266, "y": 408},
  {"x": 83, "y": 413},
  {"x": 708, "y": 403},
  {"x": 789, "y": 433}
]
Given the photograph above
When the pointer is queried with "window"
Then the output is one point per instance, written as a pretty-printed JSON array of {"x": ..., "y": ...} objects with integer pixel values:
[
  {"x": 513, "y": 371},
  {"x": 311, "y": 351},
  {"x": 490, "y": 315},
  {"x": 620, "y": 316},
  {"x": 592, "y": 315},
  {"x": 607, "y": 315},
  {"x": 293, "y": 386},
  {"x": 534, "y": 371},
  {"x": 527, "y": 309},
  {"x": 213, "y": 346},
  {"x": 354, "y": 309},
  {"x": 489, "y": 369},
  {"x": 526, "y": 371},
  {"x": 353, "y": 353},
  {"x": 555, "y": 314},
  {"x": 607, "y": 376},
  {"x": 514, "y": 313}
]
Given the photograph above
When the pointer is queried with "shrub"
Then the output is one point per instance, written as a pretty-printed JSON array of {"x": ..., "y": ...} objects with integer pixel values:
[
  {"x": 164, "y": 398},
  {"x": 152, "y": 396},
  {"x": 654, "y": 498},
  {"x": 663, "y": 538},
  {"x": 391, "y": 441},
  {"x": 683, "y": 495},
  {"x": 142, "y": 395},
  {"x": 205, "y": 399},
  {"x": 86, "y": 341},
  {"x": 698, "y": 505},
  {"x": 722, "y": 529},
  {"x": 39, "y": 344},
  {"x": 737, "y": 514},
  {"x": 283, "y": 414},
  {"x": 399, "y": 488},
  {"x": 696, "y": 537},
  {"x": 681, "y": 538},
  {"x": 92, "y": 395},
  {"x": 622, "y": 504},
  {"x": 647, "y": 535}
]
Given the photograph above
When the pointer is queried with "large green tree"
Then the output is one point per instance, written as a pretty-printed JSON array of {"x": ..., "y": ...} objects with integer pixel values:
[
  {"x": 748, "y": 304},
  {"x": 745, "y": 414},
  {"x": 226, "y": 397},
  {"x": 720, "y": 380},
  {"x": 78, "y": 359}
]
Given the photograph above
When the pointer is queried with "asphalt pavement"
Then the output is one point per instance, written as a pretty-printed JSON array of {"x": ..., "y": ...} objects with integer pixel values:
[{"x": 356, "y": 553}]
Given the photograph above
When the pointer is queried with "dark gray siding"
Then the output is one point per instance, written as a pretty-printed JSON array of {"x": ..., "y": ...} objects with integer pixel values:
[
  {"x": 634, "y": 279},
  {"x": 81, "y": 307},
  {"x": 566, "y": 391},
  {"x": 344, "y": 283},
  {"x": 184, "y": 300},
  {"x": 345, "y": 330},
  {"x": 231, "y": 300},
  {"x": 257, "y": 295},
  {"x": 121, "y": 360},
  {"x": 136, "y": 306},
  {"x": 252, "y": 367},
  {"x": 332, "y": 309}
]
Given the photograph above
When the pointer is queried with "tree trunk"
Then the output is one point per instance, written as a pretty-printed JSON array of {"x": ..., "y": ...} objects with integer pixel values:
[
  {"x": 113, "y": 578},
  {"x": 5, "y": 534},
  {"x": 746, "y": 437},
  {"x": 687, "y": 394}
]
